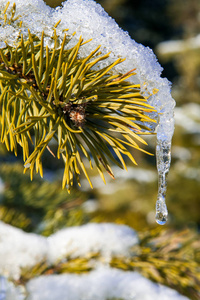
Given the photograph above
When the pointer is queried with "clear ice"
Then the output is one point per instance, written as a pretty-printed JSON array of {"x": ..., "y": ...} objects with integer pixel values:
[
  {"x": 163, "y": 153},
  {"x": 89, "y": 20}
]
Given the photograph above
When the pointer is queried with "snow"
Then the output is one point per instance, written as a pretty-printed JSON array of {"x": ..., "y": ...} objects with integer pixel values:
[
  {"x": 35, "y": 15},
  {"x": 8, "y": 291},
  {"x": 101, "y": 284},
  {"x": 108, "y": 239},
  {"x": 19, "y": 249}
]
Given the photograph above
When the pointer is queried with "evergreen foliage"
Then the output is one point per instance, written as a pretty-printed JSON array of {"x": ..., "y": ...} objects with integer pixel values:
[
  {"x": 53, "y": 94},
  {"x": 38, "y": 206}
]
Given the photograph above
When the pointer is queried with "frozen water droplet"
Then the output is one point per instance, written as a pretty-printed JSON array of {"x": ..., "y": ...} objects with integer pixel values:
[
  {"x": 160, "y": 219},
  {"x": 161, "y": 212}
]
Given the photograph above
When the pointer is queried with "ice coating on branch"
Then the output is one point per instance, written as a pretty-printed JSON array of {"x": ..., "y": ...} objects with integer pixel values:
[{"x": 88, "y": 19}]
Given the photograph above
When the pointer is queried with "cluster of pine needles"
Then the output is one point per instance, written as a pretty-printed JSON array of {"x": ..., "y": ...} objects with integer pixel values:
[{"x": 52, "y": 94}]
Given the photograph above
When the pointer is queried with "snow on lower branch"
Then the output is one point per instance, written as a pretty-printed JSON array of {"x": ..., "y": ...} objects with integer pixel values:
[
  {"x": 101, "y": 284},
  {"x": 109, "y": 239},
  {"x": 19, "y": 249}
]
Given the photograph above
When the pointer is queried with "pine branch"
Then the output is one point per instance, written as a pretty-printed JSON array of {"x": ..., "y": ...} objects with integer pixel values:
[{"x": 53, "y": 94}]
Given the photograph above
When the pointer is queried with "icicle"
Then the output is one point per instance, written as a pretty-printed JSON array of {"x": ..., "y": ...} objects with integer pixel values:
[
  {"x": 163, "y": 153},
  {"x": 164, "y": 103}
]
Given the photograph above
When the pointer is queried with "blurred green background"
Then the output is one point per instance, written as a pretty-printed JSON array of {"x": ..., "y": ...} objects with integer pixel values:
[
  {"x": 172, "y": 29},
  {"x": 43, "y": 207}
]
